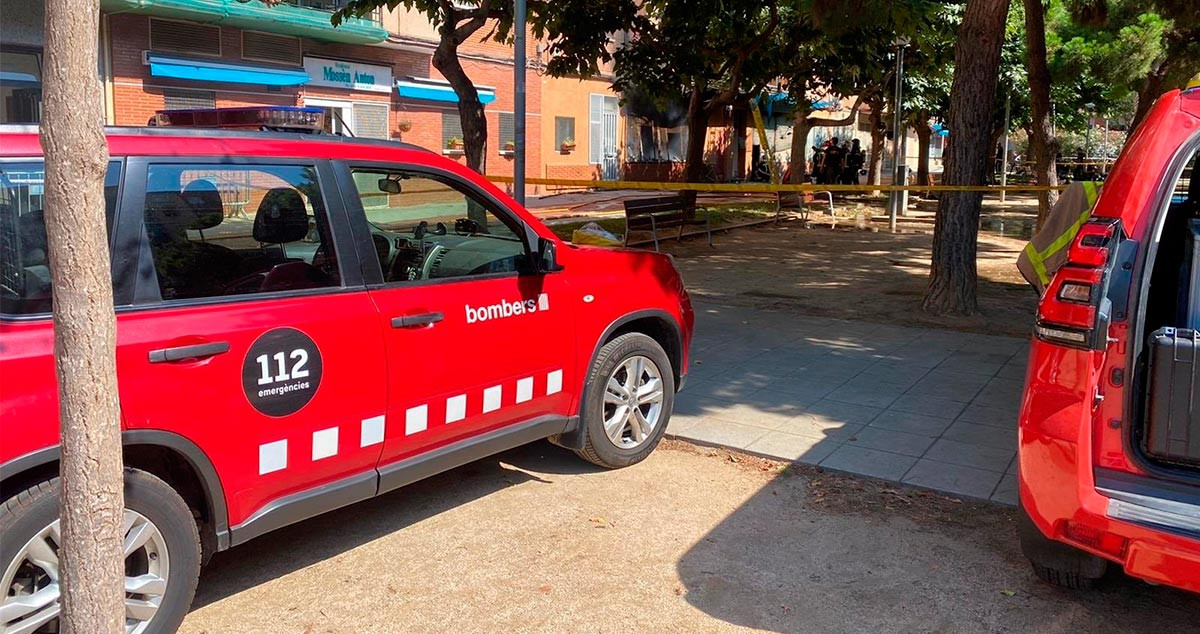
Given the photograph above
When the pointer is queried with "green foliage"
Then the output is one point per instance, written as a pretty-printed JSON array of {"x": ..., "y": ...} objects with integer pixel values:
[{"x": 577, "y": 31}]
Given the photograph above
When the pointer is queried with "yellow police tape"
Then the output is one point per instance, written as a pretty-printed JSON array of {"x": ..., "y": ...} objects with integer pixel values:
[{"x": 767, "y": 188}]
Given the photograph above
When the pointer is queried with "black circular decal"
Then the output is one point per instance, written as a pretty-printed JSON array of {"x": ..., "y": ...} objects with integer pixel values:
[{"x": 281, "y": 371}]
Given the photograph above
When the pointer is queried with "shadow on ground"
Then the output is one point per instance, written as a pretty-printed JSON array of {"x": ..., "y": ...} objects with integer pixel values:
[
  {"x": 326, "y": 536},
  {"x": 909, "y": 561}
]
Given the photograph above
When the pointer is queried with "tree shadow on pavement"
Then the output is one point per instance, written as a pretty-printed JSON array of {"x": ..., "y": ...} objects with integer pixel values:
[
  {"x": 314, "y": 540},
  {"x": 821, "y": 552}
]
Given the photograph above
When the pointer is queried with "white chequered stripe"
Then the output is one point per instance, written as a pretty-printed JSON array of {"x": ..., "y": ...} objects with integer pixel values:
[
  {"x": 456, "y": 408},
  {"x": 492, "y": 397},
  {"x": 325, "y": 443},
  {"x": 525, "y": 389},
  {"x": 273, "y": 456},
  {"x": 416, "y": 419},
  {"x": 371, "y": 432}
]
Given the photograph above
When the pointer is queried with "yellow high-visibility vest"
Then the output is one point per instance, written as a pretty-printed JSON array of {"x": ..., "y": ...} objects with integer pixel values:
[{"x": 1045, "y": 253}]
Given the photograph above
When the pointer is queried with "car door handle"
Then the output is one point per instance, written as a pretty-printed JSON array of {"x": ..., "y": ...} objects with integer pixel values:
[
  {"x": 196, "y": 351},
  {"x": 414, "y": 321}
]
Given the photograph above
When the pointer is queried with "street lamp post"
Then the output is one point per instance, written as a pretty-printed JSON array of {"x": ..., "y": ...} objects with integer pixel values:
[
  {"x": 1087, "y": 142},
  {"x": 519, "y": 101},
  {"x": 898, "y": 199}
]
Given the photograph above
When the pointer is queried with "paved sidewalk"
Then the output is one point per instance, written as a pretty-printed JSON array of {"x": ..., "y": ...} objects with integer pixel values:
[{"x": 930, "y": 408}]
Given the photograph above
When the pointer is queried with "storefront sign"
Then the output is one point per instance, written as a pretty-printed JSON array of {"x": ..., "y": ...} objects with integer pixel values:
[{"x": 348, "y": 75}]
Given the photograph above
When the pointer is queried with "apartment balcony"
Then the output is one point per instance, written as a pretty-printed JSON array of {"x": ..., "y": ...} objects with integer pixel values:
[{"x": 302, "y": 18}]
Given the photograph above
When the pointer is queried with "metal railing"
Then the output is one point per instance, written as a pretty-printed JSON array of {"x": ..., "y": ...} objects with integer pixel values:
[{"x": 331, "y": 6}]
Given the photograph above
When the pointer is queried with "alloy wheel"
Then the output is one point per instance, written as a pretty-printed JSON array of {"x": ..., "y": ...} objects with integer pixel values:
[
  {"x": 31, "y": 581},
  {"x": 633, "y": 402}
]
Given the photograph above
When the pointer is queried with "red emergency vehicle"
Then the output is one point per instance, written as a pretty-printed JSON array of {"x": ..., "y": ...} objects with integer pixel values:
[
  {"x": 306, "y": 321},
  {"x": 1109, "y": 454}
]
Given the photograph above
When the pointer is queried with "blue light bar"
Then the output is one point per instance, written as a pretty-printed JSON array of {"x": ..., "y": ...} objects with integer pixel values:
[{"x": 280, "y": 118}]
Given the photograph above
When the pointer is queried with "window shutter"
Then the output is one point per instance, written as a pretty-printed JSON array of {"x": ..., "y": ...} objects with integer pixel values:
[
  {"x": 508, "y": 130},
  {"x": 564, "y": 128},
  {"x": 180, "y": 99},
  {"x": 371, "y": 121},
  {"x": 595, "y": 129},
  {"x": 451, "y": 127},
  {"x": 185, "y": 37}
]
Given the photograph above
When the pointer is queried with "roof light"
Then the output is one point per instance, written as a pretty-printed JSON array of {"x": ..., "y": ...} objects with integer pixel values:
[{"x": 277, "y": 118}]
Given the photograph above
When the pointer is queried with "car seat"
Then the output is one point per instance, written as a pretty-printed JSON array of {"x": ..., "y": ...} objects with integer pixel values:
[
  {"x": 188, "y": 268},
  {"x": 283, "y": 218}
]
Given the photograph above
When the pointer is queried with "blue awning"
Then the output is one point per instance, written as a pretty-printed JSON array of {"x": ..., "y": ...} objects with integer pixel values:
[
  {"x": 203, "y": 70},
  {"x": 437, "y": 90},
  {"x": 14, "y": 78}
]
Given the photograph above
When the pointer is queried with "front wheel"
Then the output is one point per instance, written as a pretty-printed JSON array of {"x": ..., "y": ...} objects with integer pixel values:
[
  {"x": 627, "y": 401},
  {"x": 162, "y": 557}
]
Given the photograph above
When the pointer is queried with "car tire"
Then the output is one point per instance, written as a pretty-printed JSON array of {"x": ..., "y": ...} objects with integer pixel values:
[
  {"x": 1057, "y": 563},
  {"x": 157, "y": 511},
  {"x": 614, "y": 362}
]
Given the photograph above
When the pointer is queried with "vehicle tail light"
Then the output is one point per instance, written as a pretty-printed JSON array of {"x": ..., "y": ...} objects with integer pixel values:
[
  {"x": 1074, "y": 311},
  {"x": 1095, "y": 539}
]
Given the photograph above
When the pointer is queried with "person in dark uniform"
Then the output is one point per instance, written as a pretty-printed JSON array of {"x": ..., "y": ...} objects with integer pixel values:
[
  {"x": 835, "y": 158},
  {"x": 855, "y": 159}
]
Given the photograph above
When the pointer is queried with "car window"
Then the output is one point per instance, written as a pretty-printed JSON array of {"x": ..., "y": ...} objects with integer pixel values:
[
  {"x": 24, "y": 256},
  {"x": 424, "y": 228},
  {"x": 224, "y": 230}
]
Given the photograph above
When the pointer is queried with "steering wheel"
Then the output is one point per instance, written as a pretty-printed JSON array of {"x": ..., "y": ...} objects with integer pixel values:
[{"x": 430, "y": 260}]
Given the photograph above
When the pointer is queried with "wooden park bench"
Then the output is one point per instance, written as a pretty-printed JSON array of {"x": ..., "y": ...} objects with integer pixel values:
[
  {"x": 661, "y": 212},
  {"x": 802, "y": 201}
]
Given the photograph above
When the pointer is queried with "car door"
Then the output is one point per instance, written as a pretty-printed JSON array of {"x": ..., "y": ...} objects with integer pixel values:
[
  {"x": 476, "y": 341},
  {"x": 29, "y": 420},
  {"x": 250, "y": 332}
]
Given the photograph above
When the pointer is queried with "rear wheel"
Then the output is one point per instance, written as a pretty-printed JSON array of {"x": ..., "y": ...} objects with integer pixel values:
[
  {"x": 1057, "y": 563},
  {"x": 162, "y": 557},
  {"x": 627, "y": 401}
]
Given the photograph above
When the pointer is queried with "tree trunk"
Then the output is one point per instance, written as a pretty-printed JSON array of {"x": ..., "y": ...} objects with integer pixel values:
[
  {"x": 697, "y": 127},
  {"x": 92, "y": 568},
  {"x": 924, "y": 135},
  {"x": 953, "y": 277},
  {"x": 875, "y": 168},
  {"x": 1041, "y": 140},
  {"x": 1149, "y": 92},
  {"x": 470, "y": 116},
  {"x": 801, "y": 126}
]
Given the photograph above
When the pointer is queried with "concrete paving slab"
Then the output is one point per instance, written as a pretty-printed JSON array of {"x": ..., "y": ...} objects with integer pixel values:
[
  {"x": 965, "y": 454},
  {"x": 785, "y": 446},
  {"x": 982, "y": 435},
  {"x": 933, "y": 408},
  {"x": 976, "y": 483},
  {"x": 872, "y": 395},
  {"x": 722, "y": 433},
  {"x": 1006, "y": 491},
  {"x": 869, "y": 462},
  {"x": 881, "y": 439},
  {"x": 928, "y": 406},
  {"x": 1004, "y": 417},
  {"x": 837, "y": 411},
  {"x": 920, "y": 424}
]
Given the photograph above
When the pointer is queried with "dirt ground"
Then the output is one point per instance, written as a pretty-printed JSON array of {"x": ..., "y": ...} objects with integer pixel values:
[
  {"x": 692, "y": 540},
  {"x": 851, "y": 273}
]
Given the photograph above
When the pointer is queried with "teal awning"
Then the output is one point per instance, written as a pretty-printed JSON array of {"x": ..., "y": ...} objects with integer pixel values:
[
  {"x": 204, "y": 70},
  {"x": 285, "y": 18},
  {"x": 437, "y": 90}
]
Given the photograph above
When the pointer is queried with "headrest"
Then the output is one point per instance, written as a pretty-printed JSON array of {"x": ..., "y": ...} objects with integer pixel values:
[
  {"x": 31, "y": 235},
  {"x": 205, "y": 201},
  {"x": 281, "y": 217}
]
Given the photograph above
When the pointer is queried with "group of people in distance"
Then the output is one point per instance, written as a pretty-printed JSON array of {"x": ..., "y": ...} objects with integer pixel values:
[{"x": 838, "y": 164}]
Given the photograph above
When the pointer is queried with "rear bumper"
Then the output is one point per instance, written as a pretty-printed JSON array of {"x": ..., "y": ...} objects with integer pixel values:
[{"x": 1152, "y": 532}]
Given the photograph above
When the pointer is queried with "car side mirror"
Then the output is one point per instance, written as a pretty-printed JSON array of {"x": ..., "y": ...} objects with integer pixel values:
[{"x": 547, "y": 256}]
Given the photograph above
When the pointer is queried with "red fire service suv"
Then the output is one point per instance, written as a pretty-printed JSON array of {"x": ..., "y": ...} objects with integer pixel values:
[
  {"x": 305, "y": 321},
  {"x": 1109, "y": 458}
]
